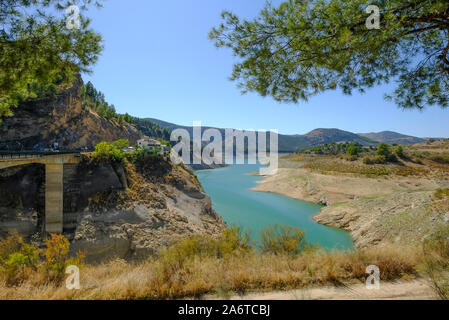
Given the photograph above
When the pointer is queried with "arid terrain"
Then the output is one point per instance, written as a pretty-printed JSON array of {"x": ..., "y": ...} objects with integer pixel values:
[{"x": 380, "y": 203}]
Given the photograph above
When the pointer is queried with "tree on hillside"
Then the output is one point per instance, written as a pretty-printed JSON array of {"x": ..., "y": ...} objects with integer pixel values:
[
  {"x": 95, "y": 100},
  {"x": 384, "y": 150},
  {"x": 303, "y": 48},
  {"x": 38, "y": 49},
  {"x": 353, "y": 149},
  {"x": 399, "y": 151}
]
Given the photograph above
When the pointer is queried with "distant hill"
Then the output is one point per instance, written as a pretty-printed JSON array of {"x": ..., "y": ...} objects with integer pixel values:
[
  {"x": 391, "y": 137},
  {"x": 151, "y": 128},
  {"x": 322, "y": 136},
  {"x": 293, "y": 143}
]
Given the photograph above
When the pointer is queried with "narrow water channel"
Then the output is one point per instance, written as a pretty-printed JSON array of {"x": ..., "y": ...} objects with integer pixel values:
[{"x": 229, "y": 189}]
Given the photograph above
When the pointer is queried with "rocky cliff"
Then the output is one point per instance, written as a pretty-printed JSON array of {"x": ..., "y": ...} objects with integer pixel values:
[
  {"x": 37, "y": 124},
  {"x": 110, "y": 210},
  {"x": 102, "y": 217}
]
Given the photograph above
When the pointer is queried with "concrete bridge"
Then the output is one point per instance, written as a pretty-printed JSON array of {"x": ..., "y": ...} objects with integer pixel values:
[{"x": 54, "y": 184}]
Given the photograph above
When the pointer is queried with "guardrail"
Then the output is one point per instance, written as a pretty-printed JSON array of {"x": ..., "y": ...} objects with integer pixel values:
[{"x": 34, "y": 154}]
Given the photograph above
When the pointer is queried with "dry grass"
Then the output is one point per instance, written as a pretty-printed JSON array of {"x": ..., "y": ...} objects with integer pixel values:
[
  {"x": 198, "y": 276},
  {"x": 326, "y": 165},
  {"x": 428, "y": 159}
]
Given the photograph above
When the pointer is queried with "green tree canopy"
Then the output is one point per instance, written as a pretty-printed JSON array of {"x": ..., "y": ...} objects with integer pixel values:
[
  {"x": 303, "y": 48},
  {"x": 38, "y": 49},
  {"x": 383, "y": 150},
  {"x": 353, "y": 149}
]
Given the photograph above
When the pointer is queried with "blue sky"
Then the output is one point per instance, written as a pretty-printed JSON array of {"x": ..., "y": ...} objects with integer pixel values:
[{"x": 158, "y": 62}]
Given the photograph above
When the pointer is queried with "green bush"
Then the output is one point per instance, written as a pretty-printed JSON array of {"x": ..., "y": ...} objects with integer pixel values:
[
  {"x": 17, "y": 259},
  {"x": 20, "y": 260},
  {"x": 379, "y": 159},
  {"x": 142, "y": 156},
  {"x": 351, "y": 157},
  {"x": 442, "y": 193},
  {"x": 353, "y": 149},
  {"x": 121, "y": 144},
  {"x": 443, "y": 159},
  {"x": 283, "y": 240},
  {"x": 399, "y": 151},
  {"x": 383, "y": 150},
  {"x": 110, "y": 151},
  {"x": 233, "y": 242}
]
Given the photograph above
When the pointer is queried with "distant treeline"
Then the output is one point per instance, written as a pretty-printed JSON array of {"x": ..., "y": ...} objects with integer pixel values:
[
  {"x": 151, "y": 129},
  {"x": 352, "y": 148},
  {"x": 95, "y": 100}
]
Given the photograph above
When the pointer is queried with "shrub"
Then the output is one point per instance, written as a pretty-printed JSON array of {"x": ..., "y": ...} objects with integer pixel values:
[
  {"x": 232, "y": 243},
  {"x": 383, "y": 150},
  {"x": 351, "y": 157},
  {"x": 283, "y": 240},
  {"x": 141, "y": 157},
  {"x": 109, "y": 151},
  {"x": 17, "y": 259},
  {"x": 399, "y": 151},
  {"x": 57, "y": 256},
  {"x": 121, "y": 144},
  {"x": 375, "y": 160},
  {"x": 441, "y": 193},
  {"x": 436, "y": 262},
  {"x": 353, "y": 149},
  {"x": 443, "y": 159}
]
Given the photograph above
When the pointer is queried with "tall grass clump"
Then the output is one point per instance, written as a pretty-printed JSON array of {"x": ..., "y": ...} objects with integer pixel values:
[
  {"x": 436, "y": 261},
  {"x": 233, "y": 242},
  {"x": 280, "y": 240}
]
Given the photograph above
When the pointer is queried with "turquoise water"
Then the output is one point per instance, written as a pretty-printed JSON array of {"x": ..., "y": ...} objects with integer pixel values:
[{"x": 229, "y": 189}]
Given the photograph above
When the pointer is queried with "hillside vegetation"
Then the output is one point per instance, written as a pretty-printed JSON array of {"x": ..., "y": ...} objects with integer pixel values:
[{"x": 428, "y": 159}]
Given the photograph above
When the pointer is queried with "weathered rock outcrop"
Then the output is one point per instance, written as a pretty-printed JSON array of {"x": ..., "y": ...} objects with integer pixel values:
[
  {"x": 104, "y": 219},
  {"x": 403, "y": 218},
  {"x": 36, "y": 125},
  {"x": 22, "y": 199}
]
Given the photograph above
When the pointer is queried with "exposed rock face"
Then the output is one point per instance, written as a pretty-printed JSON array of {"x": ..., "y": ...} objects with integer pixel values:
[
  {"x": 164, "y": 203},
  {"x": 22, "y": 199},
  {"x": 36, "y": 125},
  {"x": 400, "y": 218},
  {"x": 104, "y": 219}
]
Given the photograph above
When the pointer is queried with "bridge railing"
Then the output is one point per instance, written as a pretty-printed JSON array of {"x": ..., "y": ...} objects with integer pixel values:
[{"x": 34, "y": 154}]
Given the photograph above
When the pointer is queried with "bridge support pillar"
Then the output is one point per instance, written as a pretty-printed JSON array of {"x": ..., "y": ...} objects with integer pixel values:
[{"x": 54, "y": 174}]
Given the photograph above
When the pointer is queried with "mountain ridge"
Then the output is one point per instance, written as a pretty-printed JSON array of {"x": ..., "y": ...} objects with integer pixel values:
[
  {"x": 391, "y": 137},
  {"x": 319, "y": 136}
]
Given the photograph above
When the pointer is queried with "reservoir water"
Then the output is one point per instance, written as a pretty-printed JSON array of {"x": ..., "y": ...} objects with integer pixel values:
[{"x": 229, "y": 189}]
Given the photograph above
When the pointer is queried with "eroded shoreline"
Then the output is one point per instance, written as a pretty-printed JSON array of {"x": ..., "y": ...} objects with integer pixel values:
[{"x": 373, "y": 210}]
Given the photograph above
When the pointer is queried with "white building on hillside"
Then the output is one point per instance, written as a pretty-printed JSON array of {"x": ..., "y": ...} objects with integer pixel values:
[{"x": 149, "y": 144}]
